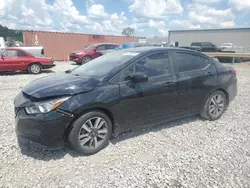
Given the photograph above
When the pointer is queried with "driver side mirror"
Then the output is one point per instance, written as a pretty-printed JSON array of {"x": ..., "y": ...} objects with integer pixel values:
[{"x": 138, "y": 77}]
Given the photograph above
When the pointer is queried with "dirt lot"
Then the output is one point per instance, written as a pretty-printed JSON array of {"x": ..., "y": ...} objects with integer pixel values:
[{"x": 190, "y": 152}]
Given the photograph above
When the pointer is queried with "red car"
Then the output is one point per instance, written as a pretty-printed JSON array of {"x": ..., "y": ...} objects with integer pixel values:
[
  {"x": 15, "y": 59},
  {"x": 91, "y": 52}
]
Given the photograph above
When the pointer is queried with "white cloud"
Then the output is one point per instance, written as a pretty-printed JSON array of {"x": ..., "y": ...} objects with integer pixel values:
[
  {"x": 227, "y": 24},
  {"x": 68, "y": 15},
  {"x": 156, "y": 24},
  {"x": 164, "y": 32},
  {"x": 25, "y": 12},
  {"x": 207, "y": 1},
  {"x": 182, "y": 24},
  {"x": 240, "y": 4},
  {"x": 153, "y": 9},
  {"x": 207, "y": 16},
  {"x": 115, "y": 24},
  {"x": 97, "y": 11}
]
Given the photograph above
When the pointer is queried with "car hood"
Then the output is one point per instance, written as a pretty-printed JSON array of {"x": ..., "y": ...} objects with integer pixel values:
[{"x": 59, "y": 85}]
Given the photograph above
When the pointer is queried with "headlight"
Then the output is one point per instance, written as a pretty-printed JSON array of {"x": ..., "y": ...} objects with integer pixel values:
[
  {"x": 45, "y": 106},
  {"x": 79, "y": 53}
]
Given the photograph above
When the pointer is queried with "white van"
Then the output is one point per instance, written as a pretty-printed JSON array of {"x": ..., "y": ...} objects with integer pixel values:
[{"x": 2, "y": 43}]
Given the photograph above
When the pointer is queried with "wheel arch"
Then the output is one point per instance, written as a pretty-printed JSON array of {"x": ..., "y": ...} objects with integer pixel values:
[
  {"x": 100, "y": 109},
  {"x": 226, "y": 93}
]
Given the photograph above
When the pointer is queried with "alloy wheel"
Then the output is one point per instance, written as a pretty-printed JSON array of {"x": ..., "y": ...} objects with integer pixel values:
[
  {"x": 86, "y": 59},
  {"x": 216, "y": 105},
  {"x": 35, "y": 68},
  {"x": 93, "y": 132}
]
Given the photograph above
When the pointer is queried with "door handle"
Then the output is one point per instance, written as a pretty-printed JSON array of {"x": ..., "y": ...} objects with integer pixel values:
[
  {"x": 209, "y": 74},
  {"x": 169, "y": 83}
]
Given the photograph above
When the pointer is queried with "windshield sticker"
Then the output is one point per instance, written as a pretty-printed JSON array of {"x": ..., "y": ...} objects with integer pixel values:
[{"x": 131, "y": 53}]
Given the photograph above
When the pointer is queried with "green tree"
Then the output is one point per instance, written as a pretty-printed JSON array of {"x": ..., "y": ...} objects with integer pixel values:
[
  {"x": 11, "y": 34},
  {"x": 128, "y": 31}
]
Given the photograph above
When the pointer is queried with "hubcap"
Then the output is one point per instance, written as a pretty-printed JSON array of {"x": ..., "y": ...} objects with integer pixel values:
[
  {"x": 216, "y": 105},
  {"x": 93, "y": 132},
  {"x": 86, "y": 59},
  {"x": 35, "y": 68}
]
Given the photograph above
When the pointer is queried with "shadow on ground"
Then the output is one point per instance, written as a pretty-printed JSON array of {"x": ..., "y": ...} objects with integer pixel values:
[
  {"x": 47, "y": 155},
  {"x": 23, "y": 73}
]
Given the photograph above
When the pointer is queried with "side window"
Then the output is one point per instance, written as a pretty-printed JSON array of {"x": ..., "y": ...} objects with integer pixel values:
[
  {"x": 189, "y": 62},
  {"x": 21, "y": 54},
  {"x": 110, "y": 46},
  {"x": 203, "y": 62},
  {"x": 101, "y": 47},
  {"x": 153, "y": 65},
  {"x": 11, "y": 53}
]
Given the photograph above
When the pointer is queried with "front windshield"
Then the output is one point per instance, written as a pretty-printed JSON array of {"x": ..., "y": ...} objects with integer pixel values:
[
  {"x": 90, "y": 47},
  {"x": 104, "y": 64}
]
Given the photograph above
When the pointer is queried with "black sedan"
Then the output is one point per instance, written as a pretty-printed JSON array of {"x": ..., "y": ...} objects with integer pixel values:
[{"x": 119, "y": 92}]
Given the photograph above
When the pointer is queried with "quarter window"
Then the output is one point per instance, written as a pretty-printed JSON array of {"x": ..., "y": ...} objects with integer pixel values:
[
  {"x": 189, "y": 62},
  {"x": 153, "y": 65}
]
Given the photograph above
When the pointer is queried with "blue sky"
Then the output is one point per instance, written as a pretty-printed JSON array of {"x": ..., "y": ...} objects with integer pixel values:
[{"x": 148, "y": 17}]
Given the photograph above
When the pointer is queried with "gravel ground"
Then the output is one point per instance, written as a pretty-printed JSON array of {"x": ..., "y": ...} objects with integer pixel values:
[{"x": 189, "y": 152}]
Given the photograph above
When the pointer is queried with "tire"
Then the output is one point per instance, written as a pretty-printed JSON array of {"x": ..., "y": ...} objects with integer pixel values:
[
  {"x": 211, "y": 103},
  {"x": 79, "y": 63},
  {"x": 35, "y": 68},
  {"x": 86, "y": 140},
  {"x": 86, "y": 59}
]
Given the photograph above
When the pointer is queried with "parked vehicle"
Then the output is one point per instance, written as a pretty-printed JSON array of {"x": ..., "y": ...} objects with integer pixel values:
[
  {"x": 15, "y": 59},
  {"x": 37, "y": 51},
  {"x": 206, "y": 46},
  {"x": 91, "y": 52},
  {"x": 226, "y": 46},
  {"x": 118, "y": 92},
  {"x": 2, "y": 43},
  {"x": 135, "y": 45},
  {"x": 196, "y": 48}
]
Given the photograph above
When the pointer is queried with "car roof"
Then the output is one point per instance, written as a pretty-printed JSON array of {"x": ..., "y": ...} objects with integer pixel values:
[
  {"x": 105, "y": 43},
  {"x": 153, "y": 49}
]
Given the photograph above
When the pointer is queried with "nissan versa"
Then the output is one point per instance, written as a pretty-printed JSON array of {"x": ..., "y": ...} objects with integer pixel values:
[{"x": 119, "y": 92}]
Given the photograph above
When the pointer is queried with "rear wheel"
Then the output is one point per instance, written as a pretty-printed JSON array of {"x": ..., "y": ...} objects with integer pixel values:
[
  {"x": 86, "y": 59},
  {"x": 215, "y": 106},
  {"x": 90, "y": 133},
  {"x": 35, "y": 68}
]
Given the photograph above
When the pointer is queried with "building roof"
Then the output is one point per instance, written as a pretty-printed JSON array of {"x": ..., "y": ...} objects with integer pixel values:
[{"x": 214, "y": 29}]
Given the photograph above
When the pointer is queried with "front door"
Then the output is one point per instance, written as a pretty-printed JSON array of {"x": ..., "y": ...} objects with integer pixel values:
[
  {"x": 12, "y": 61},
  {"x": 152, "y": 101}
]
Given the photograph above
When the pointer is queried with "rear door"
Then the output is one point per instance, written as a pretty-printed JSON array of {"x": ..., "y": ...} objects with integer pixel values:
[{"x": 196, "y": 76}]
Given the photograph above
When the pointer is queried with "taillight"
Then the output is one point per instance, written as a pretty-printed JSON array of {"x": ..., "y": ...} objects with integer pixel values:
[{"x": 234, "y": 72}]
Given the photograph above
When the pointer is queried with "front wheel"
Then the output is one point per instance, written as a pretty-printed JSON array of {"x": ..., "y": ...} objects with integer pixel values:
[
  {"x": 215, "y": 106},
  {"x": 86, "y": 59},
  {"x": 90, "y": 133},
  {"x": 35, "y": 68}
]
